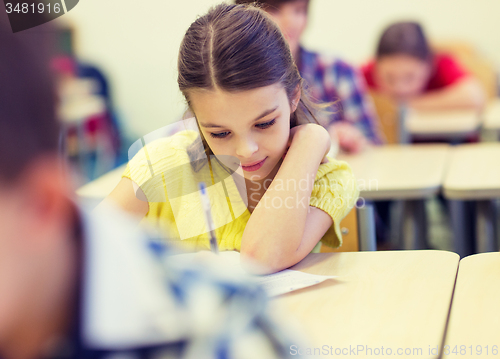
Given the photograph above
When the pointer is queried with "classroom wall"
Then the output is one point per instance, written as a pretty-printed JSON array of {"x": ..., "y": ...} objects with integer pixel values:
[{"x": 136, "y": 43}]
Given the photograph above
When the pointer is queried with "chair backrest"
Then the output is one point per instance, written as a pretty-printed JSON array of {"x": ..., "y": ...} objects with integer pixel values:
[
  {"x": 388, "y": 113},
  {"x": 358, "y": 231},
  {"x": 474, "y": 62},
  {"x": 349, "y": 226}
]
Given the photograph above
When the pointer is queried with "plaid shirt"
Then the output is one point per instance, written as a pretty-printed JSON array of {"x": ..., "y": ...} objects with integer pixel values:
[
  {"x": 329, "y": 79},
  {"x": 135, "y": 301}
]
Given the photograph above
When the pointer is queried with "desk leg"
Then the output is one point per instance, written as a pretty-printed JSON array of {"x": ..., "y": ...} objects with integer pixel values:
[
  {"x": 366, "y": 228},
  {"x": 485, "y": 227},
  {"x": 404, "y": 135},
  {"x": 396, "y": 224},
  {"x": 460, "y": 229},
  {"x": 414, "y": 225}
]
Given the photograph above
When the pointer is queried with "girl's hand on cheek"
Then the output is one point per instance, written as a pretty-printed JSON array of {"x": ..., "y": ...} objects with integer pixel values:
[{"x": 309, "y": 137}]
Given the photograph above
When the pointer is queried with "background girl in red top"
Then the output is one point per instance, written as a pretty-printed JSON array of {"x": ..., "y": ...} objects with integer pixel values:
[{"x": 407, "y": 69}]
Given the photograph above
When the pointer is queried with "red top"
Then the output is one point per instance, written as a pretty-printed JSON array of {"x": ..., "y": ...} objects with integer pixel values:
[{"x": 447, "y": 72}]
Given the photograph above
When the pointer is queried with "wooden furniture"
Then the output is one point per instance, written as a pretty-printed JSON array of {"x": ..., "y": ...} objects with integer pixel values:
[
  {"x": 475, "y": 63},
  {"x": 388, "y": 114},
  {"x": 349, "y": 228},
  {"x": 491, "y": 117},
  {"x": 475, "y": 314},
  {"x": 394, "y": 299},
  {"x": 400, "y": 124},
  {"x": 399, "y": 171},
  {"x": 474, "y": 175},
  {"x": 473, "y": 172},
  {"x": 455, "y": 125},
  {"x": 411, "y": 173},
  {"x": 94, "y": 192}
]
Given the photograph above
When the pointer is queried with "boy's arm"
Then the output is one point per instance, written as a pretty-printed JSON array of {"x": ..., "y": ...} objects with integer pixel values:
[
  {"x": 358, "y": 107},
  {"x": 465, "y": 94}
]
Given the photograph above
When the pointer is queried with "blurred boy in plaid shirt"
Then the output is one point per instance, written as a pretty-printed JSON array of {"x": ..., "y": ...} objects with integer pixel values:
[{"x": 354, "y": 123}]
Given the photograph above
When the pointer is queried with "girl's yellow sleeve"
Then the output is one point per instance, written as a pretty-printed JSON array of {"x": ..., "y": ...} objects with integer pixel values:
[
  {"x": 159, "y": 163},
  {"x": 335, "y": 191}
]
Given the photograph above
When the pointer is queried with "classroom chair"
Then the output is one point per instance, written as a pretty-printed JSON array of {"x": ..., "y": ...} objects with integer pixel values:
[
  {"x": 389, "y": 114},
  {"x": 474, "y": 62},
  {"x": 358, "y": 231}
]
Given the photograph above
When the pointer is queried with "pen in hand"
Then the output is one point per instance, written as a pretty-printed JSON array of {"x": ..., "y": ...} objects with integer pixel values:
[{"x": 205, "y": 201}]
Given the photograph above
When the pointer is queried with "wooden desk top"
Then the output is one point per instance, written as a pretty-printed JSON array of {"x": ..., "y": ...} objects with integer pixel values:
[
  {"x": 99, "y": 188},
  {"x": 491, "y": 115},
  {"x": 394, "y": 299},
  {"x": 473, "y": 172},
  {"x": 475, "y": 313},
  {"x": 443, "y": 124},
  {"x": 399, "y": 171}
]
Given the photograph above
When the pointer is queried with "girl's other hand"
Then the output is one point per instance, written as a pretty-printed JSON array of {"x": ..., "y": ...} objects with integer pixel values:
[{"x": 351, "y": 140}]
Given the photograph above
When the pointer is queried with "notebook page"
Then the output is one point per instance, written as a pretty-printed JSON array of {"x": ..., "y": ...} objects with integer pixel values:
[{"x": 274, "y": 284}]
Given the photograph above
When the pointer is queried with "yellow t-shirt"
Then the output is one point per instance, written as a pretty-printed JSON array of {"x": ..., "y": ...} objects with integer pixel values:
[{"x": 168, "y": 175}]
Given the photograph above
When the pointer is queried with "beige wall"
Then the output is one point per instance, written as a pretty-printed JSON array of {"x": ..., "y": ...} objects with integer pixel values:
[
  {"x": 136, "y": 42},
  {"x": 353, "y": 27}
]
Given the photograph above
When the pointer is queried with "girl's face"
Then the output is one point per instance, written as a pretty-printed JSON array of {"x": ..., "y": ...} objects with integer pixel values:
[
  {"x": 252, "y": 126},
  {"x": 402, "y": 76}
]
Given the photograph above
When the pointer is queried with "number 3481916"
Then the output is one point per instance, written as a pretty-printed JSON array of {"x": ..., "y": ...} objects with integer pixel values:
[{"x": 26, "y": 8}]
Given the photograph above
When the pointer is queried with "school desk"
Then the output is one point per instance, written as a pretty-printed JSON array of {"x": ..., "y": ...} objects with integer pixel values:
[
  {"x": 475, "y": 314},
  {"x": 389, "y": 299},
  {"x": 452, "y": 125},
  {"x": 473, "y": 175},
  {"x": 491, "y": 117},
  {"x": 94, "y": 192},
  {"x": 411, "y": 173}
]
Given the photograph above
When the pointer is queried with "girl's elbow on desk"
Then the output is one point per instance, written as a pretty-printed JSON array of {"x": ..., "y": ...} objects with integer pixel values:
[{"x": 264, "y": 260}]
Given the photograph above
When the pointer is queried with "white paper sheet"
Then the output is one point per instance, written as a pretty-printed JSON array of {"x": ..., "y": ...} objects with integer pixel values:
[{"x": 275, "y": 284}]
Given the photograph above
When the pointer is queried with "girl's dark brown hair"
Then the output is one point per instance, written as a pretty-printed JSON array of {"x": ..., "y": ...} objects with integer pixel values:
[
  {"x": 404, "y": 38},
  {"x": 267, "y": 4},
  {"x": 237, "y": 48}
]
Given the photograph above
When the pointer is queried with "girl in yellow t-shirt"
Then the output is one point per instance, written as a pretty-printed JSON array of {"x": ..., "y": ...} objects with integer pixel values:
[{"x": 255, "y": 144}]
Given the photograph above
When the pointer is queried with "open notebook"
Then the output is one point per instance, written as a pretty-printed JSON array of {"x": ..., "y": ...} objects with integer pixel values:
[{"x": 275, "y": 284}]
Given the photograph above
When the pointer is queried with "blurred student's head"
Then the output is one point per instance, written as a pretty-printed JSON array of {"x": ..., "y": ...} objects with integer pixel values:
[
  {"x": 34, "y": 208},
  {"x": 403, "y": 60},
  {"x": 290, "y": 15}
]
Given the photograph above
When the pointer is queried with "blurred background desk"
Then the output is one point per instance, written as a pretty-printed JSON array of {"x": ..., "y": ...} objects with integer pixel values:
[
  {"x": 94, "y": 192},
  {"x": 394, "y": 299},
  {"x": 474, "y": 175},
  {"x": 453, "y": 126},
  {"x": 411, "y": 173},
  {"x": 401, "y": 124},
  {"x": 491, "y": 118},
  {"x": 475, "y": 314}
]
